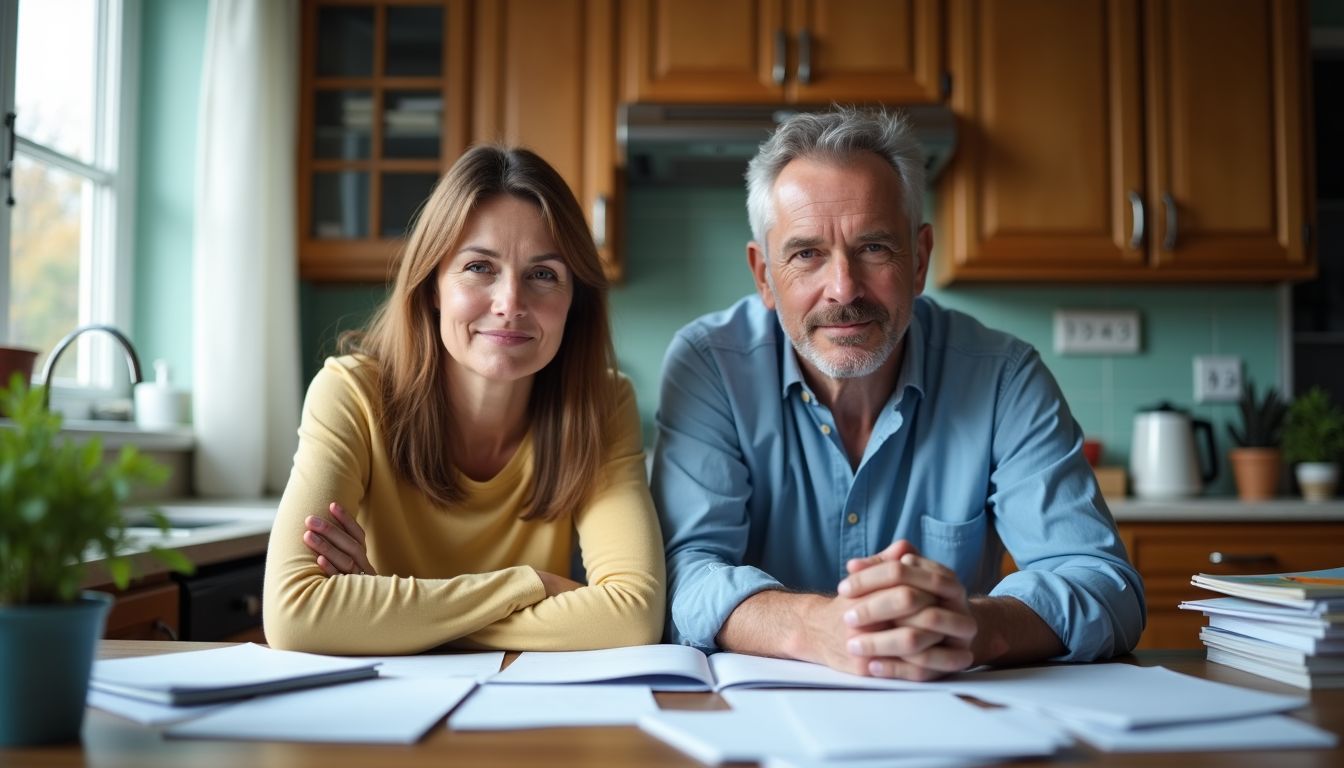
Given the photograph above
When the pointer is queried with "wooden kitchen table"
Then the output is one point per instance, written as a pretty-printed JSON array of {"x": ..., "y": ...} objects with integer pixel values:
[{"x": 110, "y": 742}]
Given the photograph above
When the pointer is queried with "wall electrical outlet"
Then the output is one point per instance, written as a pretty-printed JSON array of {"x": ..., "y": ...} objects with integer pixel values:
[
  {"x": 1097, "y": 332},
  {"x": 1217, "y": 378}
]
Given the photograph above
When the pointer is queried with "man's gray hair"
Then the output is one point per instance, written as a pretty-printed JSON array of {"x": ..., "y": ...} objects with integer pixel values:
[{"x": 836, "y": 135}]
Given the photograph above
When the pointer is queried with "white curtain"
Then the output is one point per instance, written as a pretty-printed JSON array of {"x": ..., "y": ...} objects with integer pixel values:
[{"x": 246, "y": 372}]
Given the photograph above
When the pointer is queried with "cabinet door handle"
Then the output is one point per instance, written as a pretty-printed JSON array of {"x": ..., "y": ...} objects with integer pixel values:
[
  {"x": 162, "y": 628},
  {"x": 1233, "y": 558},
  {"x": 805, "y": 57},
  {"x": 600, "y": 221},
  {"x": 10, "y": 117},
  {"x": 1173, "y": 225},
  {"x": 1136, "y": 229},
  {"x": 781, "y": 54}
]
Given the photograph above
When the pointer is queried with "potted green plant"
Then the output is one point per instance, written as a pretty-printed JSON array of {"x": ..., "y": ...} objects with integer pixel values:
[
  {"x": 60, "y": 505},
  {"x": 1256, "y": 457},
  {"x": 1313, "y": 440}
]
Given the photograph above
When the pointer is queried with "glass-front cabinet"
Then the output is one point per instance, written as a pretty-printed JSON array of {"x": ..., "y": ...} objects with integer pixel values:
[{"x": 383, "y": 114}]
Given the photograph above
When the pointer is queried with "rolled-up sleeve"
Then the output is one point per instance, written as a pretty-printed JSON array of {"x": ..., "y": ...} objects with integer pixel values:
[
  {"x": 701, "y": 487},
  {"x": 1073, "y": 569}
]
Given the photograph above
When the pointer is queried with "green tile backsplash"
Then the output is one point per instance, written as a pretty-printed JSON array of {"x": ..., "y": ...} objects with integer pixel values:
[{"x": 686, "y": 255}]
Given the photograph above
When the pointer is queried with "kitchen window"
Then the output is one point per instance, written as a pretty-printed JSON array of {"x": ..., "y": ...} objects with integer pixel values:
[{"x": 67, "y": 90}]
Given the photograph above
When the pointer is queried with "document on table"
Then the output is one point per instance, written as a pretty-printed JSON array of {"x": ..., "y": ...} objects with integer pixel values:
[
  {"x": 1120, "y": 695},
  {"x": 381, "y": 711},
  {"x": 1260, "y": 732},
  {"x": 857, "y": 724},
  {"x": 439, "y": 665},
  {"x": 219, "y": 674},
  {"x": 682, "y": 668},
  {"x": 146, "y": 712},
  {"x": 512, "y": 707}
]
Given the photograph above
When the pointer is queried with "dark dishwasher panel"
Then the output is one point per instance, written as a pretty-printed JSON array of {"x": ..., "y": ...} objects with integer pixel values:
[{"x": 221, "y": 600}]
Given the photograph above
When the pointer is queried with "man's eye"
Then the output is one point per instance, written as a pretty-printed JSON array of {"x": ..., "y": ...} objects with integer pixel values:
[{"x": 806, "y": 254}]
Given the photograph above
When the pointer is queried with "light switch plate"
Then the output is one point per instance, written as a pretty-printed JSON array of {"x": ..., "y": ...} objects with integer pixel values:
[
  {"x": 1097, "y": 332},
  {"x": 1217, "y": 378}
]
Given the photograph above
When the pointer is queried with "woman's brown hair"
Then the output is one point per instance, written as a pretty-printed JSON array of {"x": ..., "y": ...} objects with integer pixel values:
[{"x": 566, "y": 406}]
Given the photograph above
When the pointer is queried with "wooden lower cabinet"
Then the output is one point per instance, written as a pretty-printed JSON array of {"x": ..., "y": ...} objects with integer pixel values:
[
  {"x": 1168, "y": 554},
  {"x": 147, "y": 612}
]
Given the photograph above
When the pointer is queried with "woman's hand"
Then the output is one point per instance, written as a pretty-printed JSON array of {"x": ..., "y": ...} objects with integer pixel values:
[
  {"x": 556, "y": 584},
  {"x": 338, "y": 543}
]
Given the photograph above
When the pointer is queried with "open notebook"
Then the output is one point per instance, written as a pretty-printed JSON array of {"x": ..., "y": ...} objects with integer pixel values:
[{"x": 682, "y": 668}]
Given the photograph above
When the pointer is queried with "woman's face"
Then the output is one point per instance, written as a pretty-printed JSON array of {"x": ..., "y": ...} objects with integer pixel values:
[{"x": 503, "y": 293}]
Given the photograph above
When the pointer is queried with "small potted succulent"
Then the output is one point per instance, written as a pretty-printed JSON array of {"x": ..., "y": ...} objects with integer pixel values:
[
  {"x": 1313, "y": 440},
  {"x": 1256, "y": 458},
  {"x": 60, "y": 505}
]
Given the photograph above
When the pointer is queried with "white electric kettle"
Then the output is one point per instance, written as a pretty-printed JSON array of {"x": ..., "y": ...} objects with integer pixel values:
[{"x": 1163, "y": 460}]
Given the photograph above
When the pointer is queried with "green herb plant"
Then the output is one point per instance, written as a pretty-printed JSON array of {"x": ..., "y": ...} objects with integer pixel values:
[
  {"x": 61, "y": 504},
  {"x": 1261, "y": 419},
  {"x": 1314, "y": 430}
]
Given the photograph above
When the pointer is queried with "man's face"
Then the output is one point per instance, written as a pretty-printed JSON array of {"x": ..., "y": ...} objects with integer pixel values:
[{"x": 841, "y": 268}]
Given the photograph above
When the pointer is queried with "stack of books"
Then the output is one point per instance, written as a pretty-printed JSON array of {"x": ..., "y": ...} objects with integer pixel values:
[{"x": 1284, "y": 626}]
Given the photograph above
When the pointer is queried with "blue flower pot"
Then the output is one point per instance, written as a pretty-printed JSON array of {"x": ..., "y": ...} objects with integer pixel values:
[{"x": 46, "y": 654}]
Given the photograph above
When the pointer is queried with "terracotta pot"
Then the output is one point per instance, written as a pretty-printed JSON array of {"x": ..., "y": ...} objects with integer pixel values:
[{"x": 1256, "y": 471}]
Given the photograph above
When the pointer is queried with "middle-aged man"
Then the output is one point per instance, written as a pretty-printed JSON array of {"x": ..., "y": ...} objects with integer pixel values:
[{"x": 840, "y": 464}]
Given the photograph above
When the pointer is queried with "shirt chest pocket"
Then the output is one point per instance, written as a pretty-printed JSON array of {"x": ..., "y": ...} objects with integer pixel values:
[{"x": 959, "y": 544}]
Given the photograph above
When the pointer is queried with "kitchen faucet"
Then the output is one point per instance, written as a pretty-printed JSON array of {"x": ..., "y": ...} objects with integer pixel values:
[{"x": 50, "y": 366}]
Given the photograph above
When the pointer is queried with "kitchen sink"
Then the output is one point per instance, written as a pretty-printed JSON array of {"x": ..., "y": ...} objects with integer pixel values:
[{"x": 139, "y": 523}]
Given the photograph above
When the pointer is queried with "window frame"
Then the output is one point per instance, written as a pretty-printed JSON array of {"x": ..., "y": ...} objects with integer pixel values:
[{"x": 107, "y": 254}]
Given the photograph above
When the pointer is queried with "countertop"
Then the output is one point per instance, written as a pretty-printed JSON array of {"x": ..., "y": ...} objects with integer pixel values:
[
  {"x": 1227, "y": 510},
  {"x": 222, "y": 530},
  {"x": 241, "y": 528}
]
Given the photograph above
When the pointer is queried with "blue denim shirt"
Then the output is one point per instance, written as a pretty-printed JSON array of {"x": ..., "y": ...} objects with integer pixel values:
[{"x": 975, "y": 450}]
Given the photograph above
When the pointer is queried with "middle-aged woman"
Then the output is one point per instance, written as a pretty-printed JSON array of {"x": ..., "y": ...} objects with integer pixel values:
[{"x": 446, "y": 464}]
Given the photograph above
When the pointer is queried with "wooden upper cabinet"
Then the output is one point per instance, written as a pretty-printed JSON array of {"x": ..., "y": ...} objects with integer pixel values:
[
  {"x": 545, "y": 79},
  {"x": 769, "y": 51},
  {"x": 865, "y": 51},
  {"x": 1225, "y": 125},
  {"x": 383, "y": 113},
  {"x": 1108, "y": 140}
]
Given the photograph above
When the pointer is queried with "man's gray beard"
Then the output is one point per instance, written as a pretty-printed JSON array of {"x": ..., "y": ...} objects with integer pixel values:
[{"x": 857, "y": 363}]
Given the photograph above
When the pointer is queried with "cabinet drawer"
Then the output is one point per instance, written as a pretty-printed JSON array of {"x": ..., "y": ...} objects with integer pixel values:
[{"x": 1182, "y": 551}]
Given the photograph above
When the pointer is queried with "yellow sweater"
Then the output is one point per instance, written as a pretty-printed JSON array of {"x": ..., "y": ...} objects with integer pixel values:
[{"x": 468, "y": 573}]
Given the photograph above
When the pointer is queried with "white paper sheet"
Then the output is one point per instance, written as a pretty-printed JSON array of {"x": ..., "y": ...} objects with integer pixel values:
[
  {"x": 1121, "y": 695},
  {"x": 714, "y": 738},
  {"x": 863, "y": 724},
  {"x": 662, "y": 667},
  {"x": 379, "y": 711},
  {"x": 145, "y": 712},
  {"x": 1261, "y": 732},
  {"x": 512, "y": 707},
  {"x": 439, "y": 665}
]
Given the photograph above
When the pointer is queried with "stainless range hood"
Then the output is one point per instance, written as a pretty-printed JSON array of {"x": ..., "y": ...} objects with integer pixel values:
[{"x": 709, "y": 145}]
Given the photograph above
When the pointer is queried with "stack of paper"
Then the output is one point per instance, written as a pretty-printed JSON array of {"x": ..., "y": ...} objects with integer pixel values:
[
  {"x": 222, "y": 674},
  {"x": 1140, "y": 709},
  {"x": 1285, "y": 626}
]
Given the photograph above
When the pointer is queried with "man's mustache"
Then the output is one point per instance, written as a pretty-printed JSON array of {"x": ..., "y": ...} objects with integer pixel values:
[{"x": 857, "y": 311}]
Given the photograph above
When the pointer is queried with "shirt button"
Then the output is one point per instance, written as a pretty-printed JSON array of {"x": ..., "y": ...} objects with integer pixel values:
[
  {"x": 825, "y": 429},
  {"x": 853, "y": 518},
  {"x": 807, "y": 397}
]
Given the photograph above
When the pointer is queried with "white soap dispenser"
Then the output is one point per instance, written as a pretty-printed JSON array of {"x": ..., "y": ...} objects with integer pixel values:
[{"x": 157, "y": 404}]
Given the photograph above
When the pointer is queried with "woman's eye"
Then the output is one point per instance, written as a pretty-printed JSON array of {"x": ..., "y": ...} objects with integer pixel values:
[
  {"x": 479, "y": 267},
  {"x": 542, "y": 273}
]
